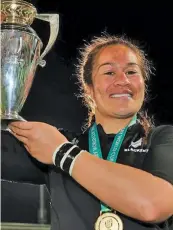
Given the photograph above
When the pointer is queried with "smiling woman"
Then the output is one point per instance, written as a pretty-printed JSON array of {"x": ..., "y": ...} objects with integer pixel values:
[
  {"x": 113, "y": 74},
  {"x": 118, "y": 173}
]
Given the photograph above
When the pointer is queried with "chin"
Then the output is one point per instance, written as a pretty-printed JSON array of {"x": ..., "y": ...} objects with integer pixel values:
[{"x": 124, "y": 115}]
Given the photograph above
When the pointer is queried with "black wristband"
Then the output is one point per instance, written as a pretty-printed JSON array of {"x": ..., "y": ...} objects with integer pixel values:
[
  {"x": 61, "y": 152},
  {"x": 65, "y": 156},
  {"x": 69, "y": 159}
]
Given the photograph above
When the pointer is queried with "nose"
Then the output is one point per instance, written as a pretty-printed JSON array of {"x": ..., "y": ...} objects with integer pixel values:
[{"x": 121, "y": 79}]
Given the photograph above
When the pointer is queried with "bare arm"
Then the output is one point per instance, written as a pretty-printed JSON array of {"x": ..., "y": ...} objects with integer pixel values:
[
  {"x": 142, "y": 195},
  {"x": 131, "y": 191}
]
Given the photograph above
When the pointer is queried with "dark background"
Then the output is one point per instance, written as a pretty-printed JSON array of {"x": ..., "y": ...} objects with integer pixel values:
[{"x": 52, "y": 97}]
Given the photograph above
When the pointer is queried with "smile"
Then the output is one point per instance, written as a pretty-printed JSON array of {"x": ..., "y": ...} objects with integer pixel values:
[{"x": 121, "y": 95}]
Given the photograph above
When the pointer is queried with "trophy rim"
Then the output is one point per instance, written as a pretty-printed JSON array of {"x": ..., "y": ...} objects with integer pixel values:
[
  {"x": 16, "y": 16},
  {"x": 19, "y": 1}
]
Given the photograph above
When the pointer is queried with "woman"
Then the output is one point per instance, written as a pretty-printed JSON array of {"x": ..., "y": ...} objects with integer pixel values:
[{"x": 118, "y": 174}]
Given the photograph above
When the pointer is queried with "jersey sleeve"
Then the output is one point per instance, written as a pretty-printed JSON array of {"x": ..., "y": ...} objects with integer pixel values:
[{"x": 159, "y": 159}]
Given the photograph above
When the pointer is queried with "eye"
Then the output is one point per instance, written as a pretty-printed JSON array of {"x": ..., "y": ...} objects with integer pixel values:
[
  {"x": 131, "y": 72},
  {"x": 110, "y": 73}
]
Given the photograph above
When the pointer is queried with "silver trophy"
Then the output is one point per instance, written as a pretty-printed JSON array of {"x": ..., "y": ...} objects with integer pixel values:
[{"x": 20, "y": 55}]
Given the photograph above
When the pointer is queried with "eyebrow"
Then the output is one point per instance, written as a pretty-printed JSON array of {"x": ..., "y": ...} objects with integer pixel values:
[{"x": 113, "y": 63}]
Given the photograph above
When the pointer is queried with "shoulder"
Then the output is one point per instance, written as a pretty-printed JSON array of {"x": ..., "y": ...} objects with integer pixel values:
[
  {"x": 159, "y": 159},
  {"x": 162, "y": 134}
]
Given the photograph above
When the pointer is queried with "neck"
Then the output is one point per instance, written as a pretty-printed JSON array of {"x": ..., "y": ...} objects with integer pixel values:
[{"x": 112, "y": 124}]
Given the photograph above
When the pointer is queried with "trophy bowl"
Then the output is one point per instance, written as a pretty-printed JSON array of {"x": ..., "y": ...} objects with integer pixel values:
[{"x": 20, "y": 55}]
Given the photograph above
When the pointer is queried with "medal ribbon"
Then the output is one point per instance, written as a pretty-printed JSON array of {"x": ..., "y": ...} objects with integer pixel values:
[{"x": 95, "y": 148}]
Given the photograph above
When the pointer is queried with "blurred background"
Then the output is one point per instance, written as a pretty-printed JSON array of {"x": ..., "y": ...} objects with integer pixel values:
[{"x": 52, "y": 98}]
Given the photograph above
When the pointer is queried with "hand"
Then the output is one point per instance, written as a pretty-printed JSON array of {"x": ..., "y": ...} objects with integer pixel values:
[
  {"x": 40, "y": 139},
  {"x": 2, "y": 17}
]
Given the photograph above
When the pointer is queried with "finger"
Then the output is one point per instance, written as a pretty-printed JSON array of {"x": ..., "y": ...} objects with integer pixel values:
[
  {"x": 2, "y": 17},
  {"x": 21, "y": 125},
  {"x": 21, "y": 132},
  {"x": 20, "y": 138}
]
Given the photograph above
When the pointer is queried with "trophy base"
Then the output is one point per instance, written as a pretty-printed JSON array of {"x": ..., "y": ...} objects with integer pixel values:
[{"x": 7, "y": 119}]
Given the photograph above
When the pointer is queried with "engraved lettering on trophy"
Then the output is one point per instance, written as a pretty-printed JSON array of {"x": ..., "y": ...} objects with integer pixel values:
[{"x": 14, "y": 59}]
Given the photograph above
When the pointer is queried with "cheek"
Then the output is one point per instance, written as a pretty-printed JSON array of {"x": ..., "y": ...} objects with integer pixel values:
[
  {"x": 101, "y": 87},
  {"x": 141, "y": 87},
  {"x": 138, "y": 85}
]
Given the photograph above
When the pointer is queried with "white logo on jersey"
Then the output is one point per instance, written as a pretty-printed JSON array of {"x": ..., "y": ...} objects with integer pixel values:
[
  {"x": 136, "y": 150},
  {"x": 136, "y": 144},
  {"x": 133, "y": 147}
]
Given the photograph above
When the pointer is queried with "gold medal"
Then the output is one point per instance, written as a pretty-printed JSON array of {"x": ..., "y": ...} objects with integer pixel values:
[{"x": 109, "y": 221}]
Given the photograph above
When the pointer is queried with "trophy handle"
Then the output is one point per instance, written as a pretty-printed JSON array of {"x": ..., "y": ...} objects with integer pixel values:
[{"x": 53, "y": 19}]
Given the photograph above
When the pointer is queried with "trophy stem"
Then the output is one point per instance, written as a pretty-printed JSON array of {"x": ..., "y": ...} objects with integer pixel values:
[{"x": 6, "y": 119}]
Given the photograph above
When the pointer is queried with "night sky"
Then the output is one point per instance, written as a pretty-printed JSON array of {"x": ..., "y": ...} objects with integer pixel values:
[{"x": 52, "y": 96}]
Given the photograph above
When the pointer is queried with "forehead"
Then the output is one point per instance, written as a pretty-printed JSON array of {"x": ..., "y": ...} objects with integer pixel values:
[{"x": 116, "y": 53}]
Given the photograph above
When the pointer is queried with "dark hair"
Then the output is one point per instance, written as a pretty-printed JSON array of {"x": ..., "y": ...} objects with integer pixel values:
[{"x": 85, "y": 67}]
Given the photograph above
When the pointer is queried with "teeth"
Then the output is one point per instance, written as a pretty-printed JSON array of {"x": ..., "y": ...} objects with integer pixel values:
[{"x": 121, "y": 95}]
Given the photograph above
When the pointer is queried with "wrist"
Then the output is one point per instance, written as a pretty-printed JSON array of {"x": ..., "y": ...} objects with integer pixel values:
[
  {"x": 56, "y": 151},
  {"x": 65, "y": 156}
]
